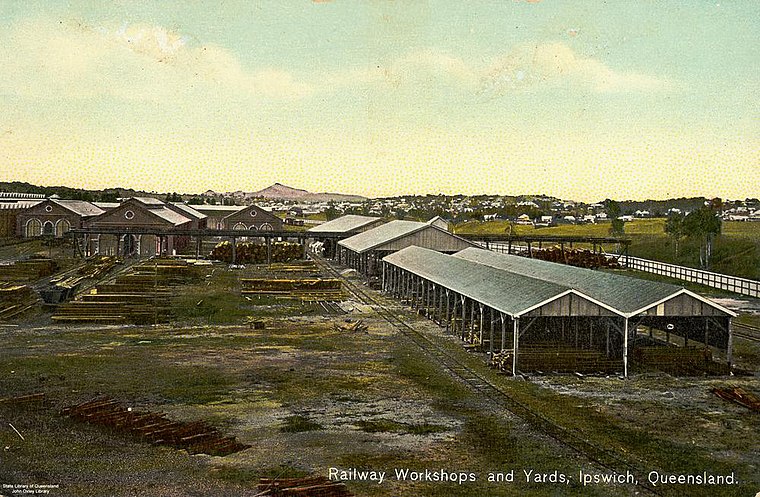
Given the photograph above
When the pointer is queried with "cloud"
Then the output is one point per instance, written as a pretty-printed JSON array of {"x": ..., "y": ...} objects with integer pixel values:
[
  {"x": 555, "y": 64},
  {"x": 137, "y": 61}
]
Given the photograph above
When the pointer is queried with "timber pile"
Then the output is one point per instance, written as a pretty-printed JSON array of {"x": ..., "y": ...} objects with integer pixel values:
[
  {"x": 550, "y": 357},
  {"x": 739, "y": 396},
  {"x": 27, "y": 270},
  {"x": 196, "y": 437},
  {"x": 308, "y": 290},
  {"x": 141, "y": 297},
  {"x": 15, "y": 299},
  {"x": 64, "y": 287},
  {"x": 680, "y": 361},
  {"x": 310, "y": 486},
  {"x": 576, "y": 257},
  {"x": 256, "y": 253}
]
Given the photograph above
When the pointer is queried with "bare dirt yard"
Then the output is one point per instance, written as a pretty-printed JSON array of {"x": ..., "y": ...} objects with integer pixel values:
[{"x": 310, "y": 397}]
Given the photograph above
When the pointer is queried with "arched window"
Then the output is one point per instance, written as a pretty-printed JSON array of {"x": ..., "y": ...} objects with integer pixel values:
[
  {"x": 253, "y": 228},
  {"x": 266, "y": 227},
  {"x": 240, "y": 226},
  {"x": 61, "y": 227},
  {"x": 48, "y": 228},
  {"x": 33, "y": 228}
]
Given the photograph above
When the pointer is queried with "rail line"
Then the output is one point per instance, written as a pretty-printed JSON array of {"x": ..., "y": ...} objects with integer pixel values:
[
  {"x": 599, "y": 456},
  {"x": 747, "y": 332}
]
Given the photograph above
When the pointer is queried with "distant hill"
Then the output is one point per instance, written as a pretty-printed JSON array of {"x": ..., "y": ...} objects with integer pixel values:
[{"x": 284, "y": 192}]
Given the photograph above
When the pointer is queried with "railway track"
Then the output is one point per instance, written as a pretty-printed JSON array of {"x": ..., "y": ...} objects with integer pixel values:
[
  {"x": 747, "y": 332},
  {"x": 599, "y": 456}
]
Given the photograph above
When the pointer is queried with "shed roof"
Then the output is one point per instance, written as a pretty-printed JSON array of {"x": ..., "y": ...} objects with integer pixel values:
[
  {"x": 345, "y": 224},
  {"x": 175, "y": 218},
  {"x": 381, "y": 235},
  {"x": 628, "y": 295},
  {"x": 505, "y": 292},
  {"x": 79, "y": 207},
  {"x": 189, "y": 210}
]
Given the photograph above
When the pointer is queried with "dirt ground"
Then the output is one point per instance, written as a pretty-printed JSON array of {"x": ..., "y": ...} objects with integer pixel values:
[{"x": 308, "y": 396}]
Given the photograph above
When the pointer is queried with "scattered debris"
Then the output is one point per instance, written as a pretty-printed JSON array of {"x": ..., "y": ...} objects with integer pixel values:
[
  {"x": 739, "y": 396},
  {"x": 355, "y": 326}
]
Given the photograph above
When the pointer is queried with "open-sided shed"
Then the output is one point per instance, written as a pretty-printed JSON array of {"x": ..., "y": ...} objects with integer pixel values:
[
  {"x": 346, "y": 226},
  {"x": 480, "y": 293}
]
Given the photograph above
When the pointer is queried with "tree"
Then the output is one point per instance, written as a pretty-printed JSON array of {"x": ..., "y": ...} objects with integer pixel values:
[
  {"x": 703, "y": 224},
  {"x": 674, "y": 227},
  {"x": 617, "y": 228}
]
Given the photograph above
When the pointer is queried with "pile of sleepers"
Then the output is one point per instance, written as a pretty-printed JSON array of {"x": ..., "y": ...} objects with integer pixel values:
[
  {"x": 576, "y": 257},
  {"x": 309, "y": 486},
  {"x": 27, "y": 270},
  {"x": 64, "y": 287},
  {"x": 15, "y": 299},
  {"x": 165, "y": 271},
  {"x": 680, "y": 361},
  {"x": 307, "y": 290},
  {"x": 559, "y": 359},
  {"x": 195, "y": 437}
]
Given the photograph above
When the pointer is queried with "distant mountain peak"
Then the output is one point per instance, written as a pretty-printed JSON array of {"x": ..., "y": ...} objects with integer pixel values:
[{"x": 285, "y": 192}]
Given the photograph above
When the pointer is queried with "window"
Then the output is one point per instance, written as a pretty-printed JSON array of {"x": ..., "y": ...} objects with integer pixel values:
[
  {"x": 266, "y": 227},
  {"x": 240, "y": 226},
  {"x": 61, "y": 227},
  {"x": 129, "y": 215},
  {"x": 48, "y": 228},
  {"x": 48, "y": 208},
  {"x": 33, "y": 228},
  {"x": 253, "y": 212},
  {"x": 253, "y": 228}
]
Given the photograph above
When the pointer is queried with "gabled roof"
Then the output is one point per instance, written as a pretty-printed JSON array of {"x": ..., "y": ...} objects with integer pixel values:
[
  {"x": 345, "y": 224},
  {"x": 511, "y": 294},
  {"x": 381, "y": 235},
  {"x": 175, "y": 218},
  {"x": 79, "y": 207},
  {"x": 149, "y": 201},
  {"x": 629, "y": 296},
  {"x": 189, "y": 210}
]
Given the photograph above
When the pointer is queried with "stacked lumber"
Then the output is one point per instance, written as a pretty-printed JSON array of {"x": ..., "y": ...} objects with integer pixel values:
[
  {"x": 64, "y": 287},
  {"x": 142, "y": 296},
  {"x": 556, "y": 358},
  {"x": 307, "y": 289},
  {"x": 15, "y": 299},
  {"x": 685, "y": 361},
  {"x": 27, "y": 270},
  {"x": 309, "y": 486},
  {"x": 256, "y": 253},
  {"x": 575, "y": 257},
  {"x": 195, "y": 437}
]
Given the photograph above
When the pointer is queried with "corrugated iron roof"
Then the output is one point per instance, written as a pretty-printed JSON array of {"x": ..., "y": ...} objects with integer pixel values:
[
  {"x": 381, "y": 235},
  {"x": 79, "y": 207},
  {"x": 175, "y": 218},
  {"x": 503, "y": 291},
  {"x": 19, "y": 204},
  {"x": 344, "y": 224},
  {"x": 626, "y": 294},
  {"x": 190, "y": 210}
]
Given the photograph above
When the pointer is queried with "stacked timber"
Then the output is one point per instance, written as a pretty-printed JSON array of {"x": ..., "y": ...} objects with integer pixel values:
[
  {"x": 310, "y": 290},
  {"x": 64, "y": 287},
  {"x": 576, "y": 257},
  {"x": 682, "y": 361},
  {"x": 309, "y": 486},
  {"x": 195, "y": 437},
  {"x": 15, "y": 299},
  {"x": 27, "y": 270},
  {"x": 554, "y": 358},
  {"x": 256, "y": 253}
]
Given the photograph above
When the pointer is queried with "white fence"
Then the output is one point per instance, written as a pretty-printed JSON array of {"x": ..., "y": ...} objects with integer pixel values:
[
  {"x": 742, "y": 286},
  {"x": 734, "y": 284}
]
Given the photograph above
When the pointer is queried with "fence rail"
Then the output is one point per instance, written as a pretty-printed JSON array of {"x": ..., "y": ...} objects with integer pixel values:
[
  {"x": 734, "y": 284},
  {"x": 742, "y": 286}
]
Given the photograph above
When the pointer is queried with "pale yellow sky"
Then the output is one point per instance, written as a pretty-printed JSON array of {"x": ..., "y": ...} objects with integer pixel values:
[{"x": 384, "y": 98}]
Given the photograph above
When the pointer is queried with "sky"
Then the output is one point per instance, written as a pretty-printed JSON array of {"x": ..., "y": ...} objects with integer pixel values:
[{"x": 582, "y": 100}]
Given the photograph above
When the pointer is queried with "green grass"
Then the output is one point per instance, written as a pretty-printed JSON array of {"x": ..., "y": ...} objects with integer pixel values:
[
  {"x": 298, "y": 423},
  {"x": 388, "y": 425}
]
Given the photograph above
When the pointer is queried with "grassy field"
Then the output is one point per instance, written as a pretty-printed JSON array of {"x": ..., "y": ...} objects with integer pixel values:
[
  {"x": 736, "y": 250},
  {"x": 307, "y": 396}
]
